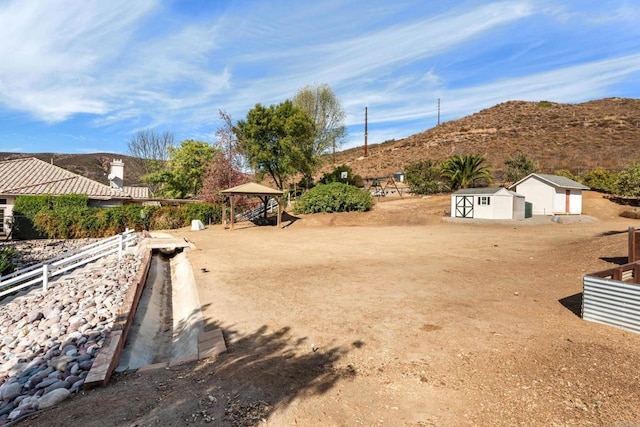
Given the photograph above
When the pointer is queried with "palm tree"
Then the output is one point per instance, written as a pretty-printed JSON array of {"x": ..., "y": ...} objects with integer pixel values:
[{"x": 462, "y": 171}]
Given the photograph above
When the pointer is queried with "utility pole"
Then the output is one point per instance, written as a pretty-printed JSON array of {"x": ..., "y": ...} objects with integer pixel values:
[
  {"x": 365, "y": 132},
  {"x": 438, "y": 111}
]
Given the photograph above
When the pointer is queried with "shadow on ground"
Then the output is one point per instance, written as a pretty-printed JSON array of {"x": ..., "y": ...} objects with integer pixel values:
[
  {"x": 619, "y": 260},
  {"x": 261, "y": 372},
  {"x": 573, "y": 303}
]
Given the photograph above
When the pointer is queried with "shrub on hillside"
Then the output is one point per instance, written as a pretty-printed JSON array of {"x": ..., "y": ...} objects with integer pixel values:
[
  {"x": 601, "y": 180},
  {"x": 423, "y": 177},
  {"x": 629, "y": 181},
  {"x": 336, "y": 176},
  {"x": 334, "y": 197}
]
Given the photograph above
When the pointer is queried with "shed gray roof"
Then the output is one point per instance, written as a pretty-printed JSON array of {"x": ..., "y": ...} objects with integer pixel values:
[
  {"x": 554, "y": 180},
  {"x": 484, "y": 190},
  {"x": 29, "y": 176}
]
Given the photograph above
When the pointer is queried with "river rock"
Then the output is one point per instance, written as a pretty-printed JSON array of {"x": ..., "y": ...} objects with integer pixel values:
[
  {"x": 57, "y": 385},
  {"x": 53, "y": 398},
  {"x": 8, "y": 392}
]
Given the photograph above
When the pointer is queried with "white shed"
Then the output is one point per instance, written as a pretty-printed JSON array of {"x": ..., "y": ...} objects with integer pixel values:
[
  {"x": 487, "y": 203},
  {"x": 551, "y": 194}
]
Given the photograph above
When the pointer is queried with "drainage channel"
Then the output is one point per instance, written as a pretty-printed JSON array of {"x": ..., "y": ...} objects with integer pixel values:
[{"x": 168, "y": 319}]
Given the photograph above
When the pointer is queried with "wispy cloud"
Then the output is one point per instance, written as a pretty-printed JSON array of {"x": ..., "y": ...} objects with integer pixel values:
[{"x": 119, "y": 66}]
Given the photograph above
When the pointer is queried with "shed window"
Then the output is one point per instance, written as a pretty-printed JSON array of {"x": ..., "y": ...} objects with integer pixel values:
[
  {"x": 3, "y": 201},
  {"x": 484, "y": 200}
]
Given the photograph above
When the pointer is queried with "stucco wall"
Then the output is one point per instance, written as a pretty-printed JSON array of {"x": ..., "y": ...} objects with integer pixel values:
[
  {"x": 501, "y": 206},
  {"x": 540, "y": 194},
  {"x": 575, "y": 202}
]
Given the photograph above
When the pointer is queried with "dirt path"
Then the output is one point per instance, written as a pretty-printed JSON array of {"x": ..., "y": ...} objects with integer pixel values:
[{"x": 394, "y": 317}]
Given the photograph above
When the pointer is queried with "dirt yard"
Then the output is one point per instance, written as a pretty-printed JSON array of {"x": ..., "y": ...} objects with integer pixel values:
[{"x": 395, "y": 317}]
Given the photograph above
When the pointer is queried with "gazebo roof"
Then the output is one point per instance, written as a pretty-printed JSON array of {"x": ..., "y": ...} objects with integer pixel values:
[{"x": 253, "y": 189}]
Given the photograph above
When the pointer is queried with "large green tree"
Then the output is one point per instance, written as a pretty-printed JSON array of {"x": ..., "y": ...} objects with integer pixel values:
[
  {"x": 186, "y": 166},
  {"x": 462, "y": 171},
  {"x": 277, "y": 140},
  {"x": 518, "y": 166},
  {"x": 324, "y": 108}
]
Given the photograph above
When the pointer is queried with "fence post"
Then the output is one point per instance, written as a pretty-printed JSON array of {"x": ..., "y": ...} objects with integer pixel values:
[
  {"x": 120, "y": 243},
  {"x": 45, "y": 277}
]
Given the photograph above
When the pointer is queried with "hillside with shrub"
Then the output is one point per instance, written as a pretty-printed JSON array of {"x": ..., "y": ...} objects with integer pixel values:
[{"x": 574, "y": 137}]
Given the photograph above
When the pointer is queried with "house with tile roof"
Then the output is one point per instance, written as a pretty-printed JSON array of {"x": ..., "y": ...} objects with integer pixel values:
[
  {"x": 551, "y": 194},
  {"x": 31, "y": 176}
]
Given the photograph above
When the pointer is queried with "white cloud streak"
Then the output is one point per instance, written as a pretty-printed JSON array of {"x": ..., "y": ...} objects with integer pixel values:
[{"x": 130, "y": 65}]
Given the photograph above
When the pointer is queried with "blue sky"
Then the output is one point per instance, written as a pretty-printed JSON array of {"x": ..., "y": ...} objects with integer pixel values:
[{"x": 84, "y": 75}]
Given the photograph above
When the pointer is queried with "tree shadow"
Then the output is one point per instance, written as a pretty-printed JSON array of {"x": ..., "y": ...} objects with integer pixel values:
[
  {"x": 286, "y": 220},
  {"x": 573, "y": 303},
  {"x": 261, "y": 372}
]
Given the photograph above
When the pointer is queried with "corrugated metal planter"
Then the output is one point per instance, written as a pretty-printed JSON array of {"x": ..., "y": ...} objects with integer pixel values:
[{"x": 612, "y": 297}]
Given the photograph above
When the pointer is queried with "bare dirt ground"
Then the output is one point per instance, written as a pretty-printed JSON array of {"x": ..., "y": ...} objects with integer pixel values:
[{"x": 393, "y": 317}]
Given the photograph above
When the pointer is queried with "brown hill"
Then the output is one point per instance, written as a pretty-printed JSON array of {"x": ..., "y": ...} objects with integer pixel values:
[
  {"x": 94, "y": 165},
  {"x": 577, "y": 137}
]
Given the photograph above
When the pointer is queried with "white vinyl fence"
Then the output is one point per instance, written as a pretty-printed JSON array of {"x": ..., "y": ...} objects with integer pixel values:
[{"x": 41, "y": 272}]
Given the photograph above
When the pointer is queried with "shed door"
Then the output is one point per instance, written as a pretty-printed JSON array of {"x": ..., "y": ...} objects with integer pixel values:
[
  {"x": 2, "y": 221},
  {"x": 464, "y": 206},
  {"x": 567, "y": 201}
]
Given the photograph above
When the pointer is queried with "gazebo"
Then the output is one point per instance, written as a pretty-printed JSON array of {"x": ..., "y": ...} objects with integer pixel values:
[{"x": 251, "y": 189}]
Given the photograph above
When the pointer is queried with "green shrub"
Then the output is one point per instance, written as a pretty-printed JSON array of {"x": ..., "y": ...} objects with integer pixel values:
[
  {"x": 25, "y": 210},
  {"x": 6, "y": 260},
  {"x": 336, "y": 176},
  {"x": 69, "y": 217},
  {"x": 629, "y": 181},
  {"x": 601, "y": 180},
  {"x": 423, "y": 177},
  {"x": 334, "y": 197}
]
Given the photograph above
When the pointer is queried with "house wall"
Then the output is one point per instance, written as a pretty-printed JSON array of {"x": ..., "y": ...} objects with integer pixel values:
[
  {"x": 575, "y": 202},
  {"x": 483, "y": 212},
  {"x": 518, "y": 207},
  {"x": 540, "y": 194},
  {"x": 8, "y": 213},
  {"x": 500, "y": 207}
]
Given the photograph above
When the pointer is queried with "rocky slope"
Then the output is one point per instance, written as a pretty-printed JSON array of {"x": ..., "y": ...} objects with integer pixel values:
[{"x": 577, "y": 137}]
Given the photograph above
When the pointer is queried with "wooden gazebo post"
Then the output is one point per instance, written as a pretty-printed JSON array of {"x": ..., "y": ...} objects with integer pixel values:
[
  {"x": 233, "y": 214},
  {"x": 252, "y": 189}
]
